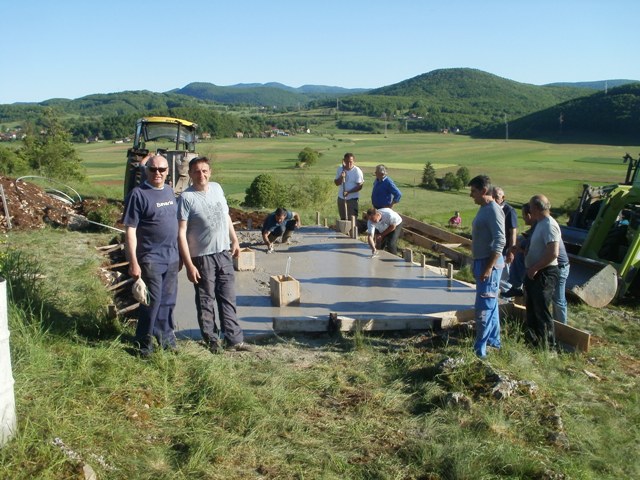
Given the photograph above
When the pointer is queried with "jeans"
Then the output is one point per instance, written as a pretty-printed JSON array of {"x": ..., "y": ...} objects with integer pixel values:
[
  {"x": 390, "y": 242},
  {"x": 217, "y": 287},
  {"x": 156, "y": 319},
  {"x": 559, "y": 295},
  {"x": 517, "y": 271},
  {"x": 540, "y": 328},
  {"x": 487, "y": 315}
]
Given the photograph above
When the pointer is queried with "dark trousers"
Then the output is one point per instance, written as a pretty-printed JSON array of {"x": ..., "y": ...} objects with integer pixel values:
[
  {"x": 156, "y": 319},
  {"x": 285, "y": 231},
  {"x": 540, "y": 329},
  {"x": 351, "y": 207},
  {"x": 390, "y": 242},
  {"x": 217, "y": 287}
]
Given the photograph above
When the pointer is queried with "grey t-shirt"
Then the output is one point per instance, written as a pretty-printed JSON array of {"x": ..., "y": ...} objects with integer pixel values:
[
  {"x": 207, "y": 216},
  {"x": 547, "y": 230},
  {"x": 487, "y": 231}
]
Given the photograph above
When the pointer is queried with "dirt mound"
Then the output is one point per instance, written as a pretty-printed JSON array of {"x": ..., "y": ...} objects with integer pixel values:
[{"x": 30, "y": 207}]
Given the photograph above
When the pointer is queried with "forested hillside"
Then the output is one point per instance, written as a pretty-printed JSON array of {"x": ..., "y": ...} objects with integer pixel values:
[
  {"x": 460, "y": 98},
  {"x": 614, "y": 114}
]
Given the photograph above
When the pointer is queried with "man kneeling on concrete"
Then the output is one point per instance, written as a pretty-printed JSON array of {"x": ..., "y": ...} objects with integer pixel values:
[
  {"x": 280, "y": 223},
  {"x": 383, "y": 228}
]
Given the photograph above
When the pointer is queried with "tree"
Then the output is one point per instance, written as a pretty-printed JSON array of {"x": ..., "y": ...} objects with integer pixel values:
[
  {"x": 307, "y": 157},
  {"x": 11, "y": 163},
  {"x": 464, "y": 175},
  {"x": 263, "y": 192},
  {"x": 451, "y": 182},
  {"x": 48, "y": 150},
  {"x": 429, "y": 177}
]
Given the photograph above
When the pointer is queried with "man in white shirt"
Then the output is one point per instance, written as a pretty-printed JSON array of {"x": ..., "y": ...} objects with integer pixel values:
[
  {"x": 350, "y": 180},
  {"x": 383, "y": 228}
]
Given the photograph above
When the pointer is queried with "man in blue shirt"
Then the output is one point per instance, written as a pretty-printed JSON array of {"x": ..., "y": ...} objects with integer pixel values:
[
  {"x": 280, "y": 223},
  {"x": 151, "y": 235},
  {"x": 385, "y": 194}
]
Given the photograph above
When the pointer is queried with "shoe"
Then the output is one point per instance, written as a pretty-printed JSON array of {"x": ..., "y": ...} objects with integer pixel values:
[
  {"x": 512, "y": 292},
  {"x": 242, "y": 347},
  {"x": 215, "y": 347}
]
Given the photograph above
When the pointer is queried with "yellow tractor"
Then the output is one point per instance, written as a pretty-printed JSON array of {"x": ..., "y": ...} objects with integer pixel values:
[{"x": 173, "y": 138}]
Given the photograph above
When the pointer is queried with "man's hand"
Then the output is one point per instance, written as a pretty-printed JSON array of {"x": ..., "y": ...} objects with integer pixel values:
[
  {"x": 193, "y": 274},
  {"x": 134, "y": 271}
]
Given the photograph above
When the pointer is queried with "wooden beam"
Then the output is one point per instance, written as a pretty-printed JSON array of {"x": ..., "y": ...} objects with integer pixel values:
[{"x": 441, "y": 235}]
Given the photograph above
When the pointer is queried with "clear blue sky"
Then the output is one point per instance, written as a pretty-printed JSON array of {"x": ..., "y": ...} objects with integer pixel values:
[{"x": 70, "y": 48}]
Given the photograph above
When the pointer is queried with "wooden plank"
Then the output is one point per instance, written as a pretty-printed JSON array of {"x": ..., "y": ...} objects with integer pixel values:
[
  {"x": 435, "y": 232},
  {"x": 120, "y": 284},
  {"x": 115, "y": 265},
  {"x": 450, "y": 253},
  {"x": 579, "y": 339}
]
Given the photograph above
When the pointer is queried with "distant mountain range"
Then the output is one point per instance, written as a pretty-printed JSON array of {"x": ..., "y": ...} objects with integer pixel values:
[{"x": 462, "y": 99}]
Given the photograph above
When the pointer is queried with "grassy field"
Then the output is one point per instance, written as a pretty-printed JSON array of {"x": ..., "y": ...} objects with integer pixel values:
[
  {"x": 522, "y": 168},
  {"x": 371, "y": 407}
]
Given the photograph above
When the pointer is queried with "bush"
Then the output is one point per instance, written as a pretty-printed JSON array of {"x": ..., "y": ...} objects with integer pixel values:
[
  {"x": 307, "y": 157},
  {"x": 262, "y": 192},
  {"x": 464, "y": 175}
]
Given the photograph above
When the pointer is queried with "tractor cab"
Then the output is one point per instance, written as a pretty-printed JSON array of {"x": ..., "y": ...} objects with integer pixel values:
[{"x": 173, "y": 138}]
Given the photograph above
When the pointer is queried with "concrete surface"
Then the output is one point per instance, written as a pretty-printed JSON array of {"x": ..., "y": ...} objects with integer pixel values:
[{"x": 336, "y": 275}]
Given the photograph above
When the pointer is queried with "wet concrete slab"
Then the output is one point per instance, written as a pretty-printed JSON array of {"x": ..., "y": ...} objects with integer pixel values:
[{"x": 336, "y": 275}]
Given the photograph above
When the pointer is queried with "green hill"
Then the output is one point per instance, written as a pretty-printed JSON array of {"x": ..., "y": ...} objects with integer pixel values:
[
  {"x": 595, "y": 118},
  {"x": 458, "y": 98}
]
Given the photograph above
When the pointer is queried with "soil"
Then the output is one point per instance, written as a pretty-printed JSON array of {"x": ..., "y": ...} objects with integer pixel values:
[{"x": 30, "y": 207}]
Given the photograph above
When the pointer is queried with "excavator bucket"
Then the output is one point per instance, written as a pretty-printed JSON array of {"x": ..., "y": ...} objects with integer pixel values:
[{"x": 592, "y": 281}]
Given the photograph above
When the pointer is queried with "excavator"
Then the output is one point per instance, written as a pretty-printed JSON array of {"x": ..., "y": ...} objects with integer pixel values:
[
  {"x": 603, "y": 241},
  {"x": 173, "y": 138}
]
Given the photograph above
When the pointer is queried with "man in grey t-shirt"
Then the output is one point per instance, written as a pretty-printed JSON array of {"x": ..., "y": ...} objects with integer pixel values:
[
  {"x": 207, "y": 242},
  {"x": 488, "y": 240}
]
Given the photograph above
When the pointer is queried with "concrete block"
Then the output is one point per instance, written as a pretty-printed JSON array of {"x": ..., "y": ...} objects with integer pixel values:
[
  {"x": 343, "y": 226},
  {"x": 245, "y": 261},
  {"x": 285, "y": 290}
]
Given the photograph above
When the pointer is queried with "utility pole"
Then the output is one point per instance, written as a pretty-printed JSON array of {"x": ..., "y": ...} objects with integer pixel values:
[{"x": 506, "y": 128}]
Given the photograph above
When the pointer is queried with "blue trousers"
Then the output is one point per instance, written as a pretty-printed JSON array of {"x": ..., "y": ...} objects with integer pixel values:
[
  {"x": 217, "y": 288},
  {"x": 487, "y": 313},
  {"x": 559, "y": 295},
  {"x": 156, "y": 319}
]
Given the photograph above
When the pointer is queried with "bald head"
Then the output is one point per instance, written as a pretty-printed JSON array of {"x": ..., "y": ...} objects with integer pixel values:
[{"x": 539, "y": 206}]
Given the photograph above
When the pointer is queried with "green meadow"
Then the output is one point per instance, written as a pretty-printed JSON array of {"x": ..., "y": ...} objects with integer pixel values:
[{"x": 522, "y": 168}]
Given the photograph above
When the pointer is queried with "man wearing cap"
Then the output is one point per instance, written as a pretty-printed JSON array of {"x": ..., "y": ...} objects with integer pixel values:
[{"x": 151, "y": 241}]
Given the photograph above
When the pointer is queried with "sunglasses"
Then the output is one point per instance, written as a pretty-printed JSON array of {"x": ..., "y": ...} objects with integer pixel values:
[{"x": 157, "y": 169}]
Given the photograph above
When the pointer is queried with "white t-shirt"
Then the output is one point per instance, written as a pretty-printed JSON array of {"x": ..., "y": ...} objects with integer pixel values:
[
  {"x": 353, "y": 179},
  {"x": 207, "y": 216},
  {"x": 388, "y": 217}
]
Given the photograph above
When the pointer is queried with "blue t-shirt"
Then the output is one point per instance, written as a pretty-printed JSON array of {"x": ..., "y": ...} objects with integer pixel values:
[
  {"x": 510, "y": 222},
  {"x": 270, "y": 225},
  {"x": 384, "y": 193},
  {"x": 153, "y": 213}
]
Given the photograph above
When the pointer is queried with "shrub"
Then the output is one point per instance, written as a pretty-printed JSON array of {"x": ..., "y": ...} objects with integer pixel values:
[
  {"x": 464, "y": 175},
  {"x": 307, "y": 157},
  {"x": 429, "y": 177},
  {"x": 262, "y": 192}
]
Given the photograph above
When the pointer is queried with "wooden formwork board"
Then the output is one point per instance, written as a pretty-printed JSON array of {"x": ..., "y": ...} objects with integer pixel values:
[
  {"x": 446, "y": 250},
  {"x": 442, "y": 236},
  {"x": 571, "y": 336}
]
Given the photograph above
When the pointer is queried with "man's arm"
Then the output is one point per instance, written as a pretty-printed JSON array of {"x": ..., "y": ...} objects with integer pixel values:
[
  {"x": 397, "y": 194},
  {"x": 192, "y": 271},
  {"x": 131, "y": 243},
  {"x": 235, "y": 245},
  {"x": 549, "y": 255}
]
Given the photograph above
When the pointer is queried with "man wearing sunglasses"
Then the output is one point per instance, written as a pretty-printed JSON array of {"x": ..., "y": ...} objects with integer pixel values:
[
  {"x": 207, "y": 242},
  {"x": 151, "y": 236}
]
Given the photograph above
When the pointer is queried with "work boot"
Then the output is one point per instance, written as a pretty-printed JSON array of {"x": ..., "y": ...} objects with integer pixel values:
[
  {"x": 215, "y": 347},
  {"x": 512, "y": 292},
  {"x": 242, "y": 347}
]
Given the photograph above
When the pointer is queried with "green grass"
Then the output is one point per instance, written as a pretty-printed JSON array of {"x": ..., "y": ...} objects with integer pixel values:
[
  {"x": 522, "y": 168},
  {"x": 360, "y": 406}
]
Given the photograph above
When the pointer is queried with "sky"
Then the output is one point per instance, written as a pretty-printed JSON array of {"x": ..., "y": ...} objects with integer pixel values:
[{"x": 70, "y": 48}]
